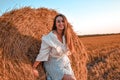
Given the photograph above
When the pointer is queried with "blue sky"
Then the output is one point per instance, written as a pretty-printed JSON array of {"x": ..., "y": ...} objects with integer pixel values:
[{"x": 86, "y": 16}]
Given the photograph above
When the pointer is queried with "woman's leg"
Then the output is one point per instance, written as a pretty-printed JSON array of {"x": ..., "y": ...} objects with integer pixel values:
[{"x": 68, "y": 77}]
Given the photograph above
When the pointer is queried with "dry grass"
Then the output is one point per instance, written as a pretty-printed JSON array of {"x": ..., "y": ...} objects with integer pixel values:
[
  {"x": 104, "y": 55},
  {"x": 20, "y": 38},
  {"x": 20, "y": 35}
]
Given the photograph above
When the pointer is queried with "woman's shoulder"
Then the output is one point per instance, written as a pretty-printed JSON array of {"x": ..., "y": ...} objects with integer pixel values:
[
  {"x": 50, "y": 39},
  {"x": 46, "y": 36}
]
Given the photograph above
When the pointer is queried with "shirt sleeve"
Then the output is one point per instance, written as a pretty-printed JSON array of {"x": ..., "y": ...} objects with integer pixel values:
[{"x": 44, "y": 51}]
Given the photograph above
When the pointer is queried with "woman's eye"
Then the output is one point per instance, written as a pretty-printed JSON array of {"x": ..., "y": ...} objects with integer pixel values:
[{"x": 60, "y": 21}]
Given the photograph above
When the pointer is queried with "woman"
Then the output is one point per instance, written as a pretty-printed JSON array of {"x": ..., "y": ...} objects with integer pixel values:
[{"x": 55, "y": 48}]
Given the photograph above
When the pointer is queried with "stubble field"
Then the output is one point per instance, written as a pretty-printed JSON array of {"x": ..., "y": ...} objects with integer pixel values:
[{"x": 104, "y": 54}]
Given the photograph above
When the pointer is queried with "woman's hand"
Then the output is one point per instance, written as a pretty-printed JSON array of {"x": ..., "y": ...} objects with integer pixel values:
[
  {"x": 35, "y": 72},
  {"x": 68, "y": 77}
]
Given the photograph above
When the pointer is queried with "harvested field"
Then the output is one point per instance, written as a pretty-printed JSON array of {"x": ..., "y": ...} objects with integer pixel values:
[
  {"x": 104, "y": 55},
  {"x": 20, "y": 38}
]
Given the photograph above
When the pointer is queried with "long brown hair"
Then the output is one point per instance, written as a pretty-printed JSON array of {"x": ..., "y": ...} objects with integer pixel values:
[{"x": 65, "y": 31}]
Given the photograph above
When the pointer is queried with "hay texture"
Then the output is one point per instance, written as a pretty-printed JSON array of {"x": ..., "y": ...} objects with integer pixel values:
[{"x": 20, "y": 38}]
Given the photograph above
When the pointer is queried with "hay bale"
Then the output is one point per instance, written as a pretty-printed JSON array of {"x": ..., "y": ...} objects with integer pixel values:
[{"x": 20, "y": 38}]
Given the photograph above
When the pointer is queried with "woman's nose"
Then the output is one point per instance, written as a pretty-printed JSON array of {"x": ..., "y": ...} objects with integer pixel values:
[{"x": 61, "y": 22}]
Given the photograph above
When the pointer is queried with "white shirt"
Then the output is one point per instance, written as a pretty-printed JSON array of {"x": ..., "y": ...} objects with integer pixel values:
[{"x": 52, "y": 47}]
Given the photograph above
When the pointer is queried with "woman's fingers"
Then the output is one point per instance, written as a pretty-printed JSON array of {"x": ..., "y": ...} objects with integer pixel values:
[
  {"x": 35, "y": 72},
  {"x": 68, "y": 77}
]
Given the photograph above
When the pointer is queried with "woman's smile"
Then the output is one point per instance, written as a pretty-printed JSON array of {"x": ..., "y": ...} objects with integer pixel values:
[{"x": 60, "y": 23}]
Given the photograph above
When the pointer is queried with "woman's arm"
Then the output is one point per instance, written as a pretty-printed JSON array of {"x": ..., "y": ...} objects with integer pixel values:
[
  {"x": 36, "y": 63},
  {"x": 35, "y": 71}
]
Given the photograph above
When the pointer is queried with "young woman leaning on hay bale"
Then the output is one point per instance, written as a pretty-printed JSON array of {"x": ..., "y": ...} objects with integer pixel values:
[{"x": 56, "y": 46}]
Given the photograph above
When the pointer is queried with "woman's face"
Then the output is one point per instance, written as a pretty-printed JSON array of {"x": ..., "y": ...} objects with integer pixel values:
[{"x": 60, "y": 23}]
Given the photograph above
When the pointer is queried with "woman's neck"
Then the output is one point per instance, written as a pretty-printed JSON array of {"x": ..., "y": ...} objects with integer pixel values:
[{"x": 59, "y": 32}]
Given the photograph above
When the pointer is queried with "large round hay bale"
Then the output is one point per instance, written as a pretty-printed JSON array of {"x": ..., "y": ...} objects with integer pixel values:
[{"x": 20, "y": 38}]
